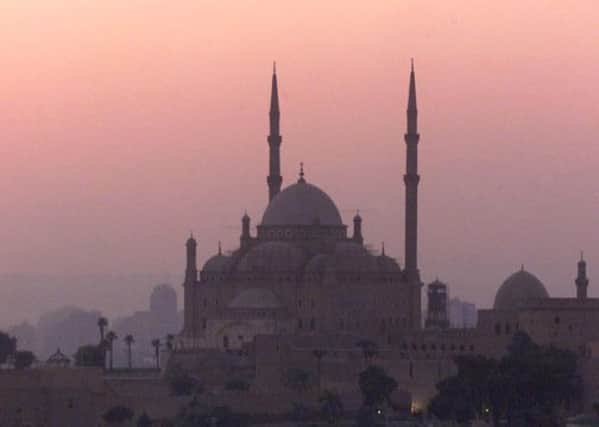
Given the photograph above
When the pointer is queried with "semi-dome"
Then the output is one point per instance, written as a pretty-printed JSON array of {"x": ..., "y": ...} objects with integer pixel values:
[
  {"x": 351, "y": 257},
  {"x": 272, "y": 257},
  {"x": 302, "y": 204},
  {"x": 217, "y": 264},
  {"x": 256, "y": 299},
  {"x": 386, "y": 264},
  {"x": 518, "y": 288}
]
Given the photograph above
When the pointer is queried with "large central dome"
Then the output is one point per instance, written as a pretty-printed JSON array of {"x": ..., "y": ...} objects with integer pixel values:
[{"x": 301, "y": 204}]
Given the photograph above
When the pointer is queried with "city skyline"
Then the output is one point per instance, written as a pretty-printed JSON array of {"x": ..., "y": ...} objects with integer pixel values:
[{"x": 114, "y": 163}]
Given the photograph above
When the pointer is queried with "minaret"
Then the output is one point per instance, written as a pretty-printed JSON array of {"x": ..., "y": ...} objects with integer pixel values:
[
  {"x": 245, "y": 230},
  {"x": 191, "y": 269},
  {"x": 411, "y": 180},
  {"x": 191, "y": 276},
  {"x": 582, "y": 281},
  {"x": 357, "y": 237},
  {"x": 274, "y": 178}
]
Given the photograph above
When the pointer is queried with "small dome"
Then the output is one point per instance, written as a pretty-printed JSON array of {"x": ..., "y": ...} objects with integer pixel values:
[
  {"x": 350, "y": 257},
  {"x": 217, "y": 264},
  {"x": 302, "y": 204},
  {"x": 272, "y": 257},
  {"x": 518, "y": 288},
  {"x": 256, "y": 299},
  {"x": 386, "y": 264}
]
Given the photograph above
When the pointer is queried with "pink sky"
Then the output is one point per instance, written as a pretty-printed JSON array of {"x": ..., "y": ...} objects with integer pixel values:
[{"x": 123, "y": 125}]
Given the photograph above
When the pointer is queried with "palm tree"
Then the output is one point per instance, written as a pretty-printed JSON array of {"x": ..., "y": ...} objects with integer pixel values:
[
  {"x": 319, "y": 354},
  {"x": 102, "y": 323},
  {"x": 110, "y": 338},
  {"x": 129, "y": 340},
  {"x": 156, "y": 345},
  {"x": 169, "y": 341}
]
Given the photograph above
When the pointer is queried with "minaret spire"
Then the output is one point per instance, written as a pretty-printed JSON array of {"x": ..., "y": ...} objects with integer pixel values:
[
  {"x": 411, "y": 180},
  {"x": 274, "y": 178},
  {"x": 582, "y": 281}
]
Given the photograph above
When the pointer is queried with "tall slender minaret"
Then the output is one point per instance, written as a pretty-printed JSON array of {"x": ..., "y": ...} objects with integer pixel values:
[
  {"x": 191, "y": 269},
  {"x": 582, "y": 281},
  {"x": 191, "y": 275},
  {"x": 274, "y": 178},
  {"x": 411, "y": 180}
]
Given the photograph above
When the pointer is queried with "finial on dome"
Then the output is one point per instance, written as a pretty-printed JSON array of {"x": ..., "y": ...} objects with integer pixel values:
[
  {"x": 301, "y": 174},
  {"x": 274, "y": 67},
  {"x": 220, "y": 249},
  {"x": 521, "y": 267},
  {"x": 412, "y": 63},
  {"x": 582, "y": 255},
  {"x": 383, "y": 248}
]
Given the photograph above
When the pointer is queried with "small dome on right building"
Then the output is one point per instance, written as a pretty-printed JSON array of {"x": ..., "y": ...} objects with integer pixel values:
[{"x": 517, "y": 289}]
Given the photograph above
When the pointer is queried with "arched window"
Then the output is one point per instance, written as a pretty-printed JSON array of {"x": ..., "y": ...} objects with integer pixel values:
[
  {"x": 497, "y": 328},
  {"x": 556, "y": 320},
  {"x": 312, "y": 324},
  {"x": 508, "y": 329}
]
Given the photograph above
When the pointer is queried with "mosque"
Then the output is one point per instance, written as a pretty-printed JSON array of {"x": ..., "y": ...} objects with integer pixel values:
[
  {"x": 303, "y": 273},
  {"x": 304, "y": 282}
]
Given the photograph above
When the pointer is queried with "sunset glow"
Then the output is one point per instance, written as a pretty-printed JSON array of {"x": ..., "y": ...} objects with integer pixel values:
[{"x": 126, "y": 124}]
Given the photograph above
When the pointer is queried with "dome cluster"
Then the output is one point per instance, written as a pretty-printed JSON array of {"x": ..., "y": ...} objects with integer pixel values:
[{"x": 302, "y": 205}]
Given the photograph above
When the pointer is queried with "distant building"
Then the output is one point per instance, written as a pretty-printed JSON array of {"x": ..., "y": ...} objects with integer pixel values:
[
  {"x": 159, "y": 321},
  {"x": 67, "y": 328},
  {"x": 436, "y": 313},
  {"x": 25, "y": 334},
  {"x": 462, "y": 314},
  {"x": 58, "y": 360}
]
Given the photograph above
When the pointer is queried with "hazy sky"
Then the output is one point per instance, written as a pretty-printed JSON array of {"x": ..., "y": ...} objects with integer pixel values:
[{"x": 124, "y": 124}]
